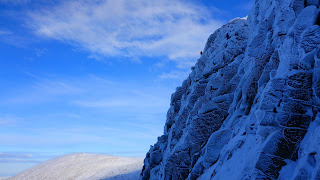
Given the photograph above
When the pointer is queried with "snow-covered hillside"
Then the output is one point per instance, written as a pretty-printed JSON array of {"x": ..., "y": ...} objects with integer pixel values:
[
  {"x": 250, "y": 107},
  {"x": 84, "y": 167}
]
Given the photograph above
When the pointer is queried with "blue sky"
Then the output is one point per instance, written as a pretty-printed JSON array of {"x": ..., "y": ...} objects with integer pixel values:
[{"x": 95, "y": 76}]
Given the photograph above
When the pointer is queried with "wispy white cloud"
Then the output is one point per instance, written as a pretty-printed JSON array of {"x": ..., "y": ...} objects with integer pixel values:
[
  {"x": 246, "y": 5},
  {"x": 42, "y": 89},
  {"x": 131, "y": 100},
  {"x": 15, "y": 155},
  {"x": 97, "y": 112},
  {"x": 25, "y": 158},
  {"x": 66, "y": 137},
  {"x": 90, "y": 92},
  {"x": 61, "y": 138},
  {"x": 9, "y": 37},
  {"x": 107, "y": 103},
  {"x": 39, "y": 52},
  {"x": 5, "y": 32},
  {"x": 129, "y": 28},
  {"x": 177, "y": 75},
  {"x": 15, "y": 2},
  {"x": 14, "y": 162},
  {"x": 9, "y": 120},
  {"x": 17, "y": 160}
]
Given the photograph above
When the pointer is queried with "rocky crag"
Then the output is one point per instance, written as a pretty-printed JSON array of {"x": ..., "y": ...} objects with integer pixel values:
[{"x": 250, "y": 107}]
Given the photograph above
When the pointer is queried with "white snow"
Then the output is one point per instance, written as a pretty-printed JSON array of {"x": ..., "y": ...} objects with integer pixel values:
[{"x": 85, "y": 167}]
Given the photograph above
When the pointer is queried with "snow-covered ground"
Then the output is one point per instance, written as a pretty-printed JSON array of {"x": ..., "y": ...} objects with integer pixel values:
[{"x": 84, "y": 167}]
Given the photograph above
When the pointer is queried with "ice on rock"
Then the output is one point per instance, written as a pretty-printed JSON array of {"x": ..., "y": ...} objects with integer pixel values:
[{"x": 250, "y": 107}]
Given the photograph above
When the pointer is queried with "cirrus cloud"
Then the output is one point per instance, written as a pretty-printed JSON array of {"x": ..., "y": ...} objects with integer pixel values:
[
  {"x": 176, "y": 30},
  {"x": 15, "y": 2}
]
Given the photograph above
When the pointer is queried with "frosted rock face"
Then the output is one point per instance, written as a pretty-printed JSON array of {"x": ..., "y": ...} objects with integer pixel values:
[{"x": 250, "y": 107}]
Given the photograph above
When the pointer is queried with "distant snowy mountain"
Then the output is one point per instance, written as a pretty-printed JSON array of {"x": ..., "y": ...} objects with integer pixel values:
[
  {"x": 85, "y": 167},
  {"x": 250, "y": 107}
]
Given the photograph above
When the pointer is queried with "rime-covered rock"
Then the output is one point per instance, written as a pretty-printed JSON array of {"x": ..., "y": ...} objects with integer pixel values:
[{"x": 250, "y": 107}]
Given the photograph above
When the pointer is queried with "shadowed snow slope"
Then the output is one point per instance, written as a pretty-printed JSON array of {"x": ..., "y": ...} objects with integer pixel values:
[
  {"x": 84, "y": 166},
  {"x": 250, "y": 107}
]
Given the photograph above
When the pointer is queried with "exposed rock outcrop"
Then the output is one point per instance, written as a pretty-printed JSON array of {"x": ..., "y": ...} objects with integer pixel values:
[{"x": 250, "y": 107}]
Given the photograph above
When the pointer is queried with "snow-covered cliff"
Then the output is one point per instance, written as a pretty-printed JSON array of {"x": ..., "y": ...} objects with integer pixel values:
[{"x": 250, "y": 107}]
